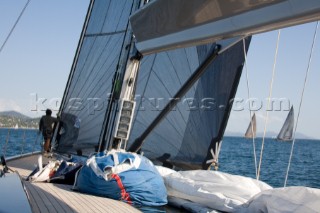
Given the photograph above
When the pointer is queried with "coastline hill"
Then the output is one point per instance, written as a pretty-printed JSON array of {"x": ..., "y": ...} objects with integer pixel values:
[{"x": 13, "y": 119}]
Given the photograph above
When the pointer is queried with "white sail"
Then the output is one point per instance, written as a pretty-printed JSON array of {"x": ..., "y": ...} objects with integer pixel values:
[
  {"x": 252, "y": 128},
  {"x": 286, "y": 131}
]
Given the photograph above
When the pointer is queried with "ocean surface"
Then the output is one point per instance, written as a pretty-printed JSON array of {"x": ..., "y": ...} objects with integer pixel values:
[
  {"x": 236, "y": 156},
  {"x": 19, "y": 141}
]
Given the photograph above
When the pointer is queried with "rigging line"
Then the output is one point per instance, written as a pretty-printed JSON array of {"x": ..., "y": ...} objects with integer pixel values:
[
  {"x": 269, "y": 101},
  {"x": 14, "y": 26},
  {"x": 248, "y": 92},
  {"x": 301, "y": 99}
]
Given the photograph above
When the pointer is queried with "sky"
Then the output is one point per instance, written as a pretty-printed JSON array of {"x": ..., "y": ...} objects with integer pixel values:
[{"x": 36, "y": 61}]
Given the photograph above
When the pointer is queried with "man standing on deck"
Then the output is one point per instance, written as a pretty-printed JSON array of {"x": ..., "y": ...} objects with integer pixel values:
[{"x": 46, "y": 127}]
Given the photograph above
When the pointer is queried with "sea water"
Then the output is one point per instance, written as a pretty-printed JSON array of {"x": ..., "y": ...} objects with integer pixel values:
[
  {"x": 236, "y": 156},
  {"x": 19, "y": 141}
]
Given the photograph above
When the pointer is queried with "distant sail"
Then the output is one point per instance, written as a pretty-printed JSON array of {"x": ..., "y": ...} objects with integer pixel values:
[
  {"x": 252, "y": 128},
  {"x": 286, "y": 131}
]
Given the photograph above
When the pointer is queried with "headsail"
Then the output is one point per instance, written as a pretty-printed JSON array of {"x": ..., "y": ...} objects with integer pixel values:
[
  {"x": 286, "y": 131},
  {"x": 252, "y": 128},
  {"x": 101, "y": 55}
]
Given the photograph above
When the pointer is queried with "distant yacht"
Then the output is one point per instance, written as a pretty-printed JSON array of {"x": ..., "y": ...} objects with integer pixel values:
[
  {"x": 252, "y": 128},
  {"x": 16, "y": 126},
  {"x": 286, "y": 131}
]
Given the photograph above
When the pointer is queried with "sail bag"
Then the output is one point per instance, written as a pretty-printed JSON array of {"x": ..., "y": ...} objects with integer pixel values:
[{"x": 122, "y": 176}]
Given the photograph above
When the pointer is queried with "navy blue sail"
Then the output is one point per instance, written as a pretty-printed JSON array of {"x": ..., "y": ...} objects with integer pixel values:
[
  {"x": 193, "y": 127},
  {"x": 102, "y": 51},
  {"x": 186, "y": 134}
]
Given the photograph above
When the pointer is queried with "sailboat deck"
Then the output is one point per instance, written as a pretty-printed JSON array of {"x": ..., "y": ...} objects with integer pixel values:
[{"x": 48, "y": 197}]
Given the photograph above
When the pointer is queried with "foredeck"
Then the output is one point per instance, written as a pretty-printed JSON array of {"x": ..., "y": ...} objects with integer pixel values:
[{"x": 48, "y": 197}]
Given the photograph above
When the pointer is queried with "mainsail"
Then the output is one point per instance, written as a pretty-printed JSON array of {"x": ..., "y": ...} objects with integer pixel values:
[
  {"x": 186, "y": 136},
  {"x": 286, "y": 131},
  {"x": 252, "y": 128}
]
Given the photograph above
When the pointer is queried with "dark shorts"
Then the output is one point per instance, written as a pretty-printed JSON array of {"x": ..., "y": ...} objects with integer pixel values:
[{"x": 47, "y": 134}]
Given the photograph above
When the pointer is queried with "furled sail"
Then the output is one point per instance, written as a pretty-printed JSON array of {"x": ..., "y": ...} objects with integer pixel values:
[
  {"x": 286, "y": 131},
  {"x": 101, "y": 52},
  {"x": 252, "y": 128},
  {"x": 186, "y": 135}
]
